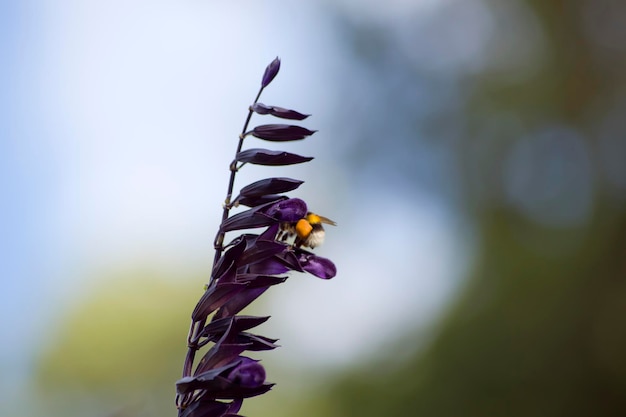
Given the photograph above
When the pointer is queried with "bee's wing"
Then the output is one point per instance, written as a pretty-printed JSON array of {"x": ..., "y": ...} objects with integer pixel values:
[{"x": 326, "y": 220}]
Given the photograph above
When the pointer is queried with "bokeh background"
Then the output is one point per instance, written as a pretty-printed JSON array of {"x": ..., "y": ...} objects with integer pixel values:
[{"x": 473, "y": 153}]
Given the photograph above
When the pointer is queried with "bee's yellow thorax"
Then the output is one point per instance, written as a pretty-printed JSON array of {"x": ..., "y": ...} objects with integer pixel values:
[{"x": 303, "y": 228}]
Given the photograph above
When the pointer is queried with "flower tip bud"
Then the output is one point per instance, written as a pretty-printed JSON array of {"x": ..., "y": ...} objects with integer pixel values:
[{"x": 270, "y": 72}]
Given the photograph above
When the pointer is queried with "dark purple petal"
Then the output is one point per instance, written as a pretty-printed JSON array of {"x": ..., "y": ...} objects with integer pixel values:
[
  {"x": 248, "y": 219},
  {"x": 271, "y": 266},
  {"x": 245, "y": 340},
  {"x": 281, "y": 132},
  {"x": 219, "y": 388},
  {"x": 221, "y": 355},
  {"x": 256, "y": 342},
  {"x": 256, "y": 217},
  {"x": 233, "y": 408},
  {"x": 221, "y": 380},
  {"x": 258, "y": 281},
  {"x": 239, "y": 302},
  {"x": 228, "y": 359},
  {"x": 269, "y": 186},
  {"x": 260, "y": 251},
  {"x": 190, "y": 383},
  {"x": 290, "y": 260},
  {"x": 248, "y": 373},
  {"x": 255, "y": 286},
  {"x": 261, "y": 108},
  {"x": 214, "y": 297},
  {"x": 270, "y": 72},
  {"x": 227, "y": 261},
  {"x": 217, "y": 328},
  {"x": 269, "y": 234},
  {"x": 260, "y": 200},
  {"x": 206, "y": 408},
  {"x": 288, "y": 113},
  {"x": 223, "y": 352},
  {"x": 232, "y": 391},
  {"x": 290, "y": 210},
  {"x": 316, "y": 265},
  {"x": 271, "y": 158},
  {"x": 235, "y": 391}
]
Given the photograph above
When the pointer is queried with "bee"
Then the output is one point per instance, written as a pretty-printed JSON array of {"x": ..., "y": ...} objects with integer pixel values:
[{"x": 308, "y": 231}]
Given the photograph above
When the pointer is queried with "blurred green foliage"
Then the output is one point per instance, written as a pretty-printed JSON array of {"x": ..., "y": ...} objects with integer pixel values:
[{"x": 122, "y": 345}]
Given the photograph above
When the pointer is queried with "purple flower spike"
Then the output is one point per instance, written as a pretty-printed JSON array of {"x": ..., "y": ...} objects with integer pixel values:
[
  {"x": 245, "y": 266},
  {"x": 270, "y": 72}
]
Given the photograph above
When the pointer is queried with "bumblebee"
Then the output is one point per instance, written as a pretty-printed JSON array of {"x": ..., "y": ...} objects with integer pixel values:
[{"x": 308, "y": 231}]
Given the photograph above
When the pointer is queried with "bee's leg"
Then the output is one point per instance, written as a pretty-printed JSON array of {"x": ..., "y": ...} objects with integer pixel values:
[{"x": 283, "y": 232}]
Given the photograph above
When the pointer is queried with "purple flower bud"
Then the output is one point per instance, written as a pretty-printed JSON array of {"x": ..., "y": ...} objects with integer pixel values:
[
  {"x": 270, "y": 72},
  {"x": 268, "y": 157},
  {"x": 276, "y": 111},
  {"x": 270, "y": 186},
  {"x": 281, "y": 132},
  {"x": 261, "y": 108},
  {"x": 249, "y": 373}
]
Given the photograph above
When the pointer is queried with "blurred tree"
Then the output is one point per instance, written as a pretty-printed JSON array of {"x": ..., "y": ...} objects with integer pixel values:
[{"x": 530, "y": 148}]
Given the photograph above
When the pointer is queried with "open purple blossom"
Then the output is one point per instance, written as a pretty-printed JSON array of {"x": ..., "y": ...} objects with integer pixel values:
[{"x": 246, "y": 267}]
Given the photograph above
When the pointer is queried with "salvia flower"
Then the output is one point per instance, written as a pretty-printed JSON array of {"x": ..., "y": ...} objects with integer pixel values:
[{"x": 246, "y": 267}]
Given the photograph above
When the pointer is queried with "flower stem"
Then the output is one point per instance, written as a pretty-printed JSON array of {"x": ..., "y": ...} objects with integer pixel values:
[
  {"x": 196, "y": 327},
  {"x": 219, "y": 239}
]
